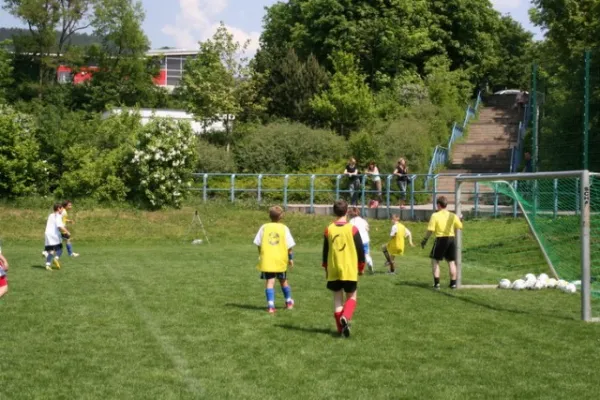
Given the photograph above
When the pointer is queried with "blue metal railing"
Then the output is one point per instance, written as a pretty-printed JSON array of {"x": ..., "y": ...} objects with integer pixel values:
[
  {"x": 516, "y": 154},
  {"x": 441, "y": 155},
  {"x": 322, "y": 189}
]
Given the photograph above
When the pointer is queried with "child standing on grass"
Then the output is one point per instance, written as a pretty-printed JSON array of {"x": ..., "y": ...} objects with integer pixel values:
[
  {"x": 67, "y": 206},
  {"x": 275, "y": 248},
  {"x": 343, "y": 260},
  {"x": 395, "y": 246},
  {"x": 3, "y": 280},
  {"x": 363, "y": 229},
  {"x": 53, "y": 237}
]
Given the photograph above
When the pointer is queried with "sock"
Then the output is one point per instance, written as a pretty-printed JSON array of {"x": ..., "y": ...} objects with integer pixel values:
[
  {"x": 59, "y": 253},
  {"x": 287, "y": 293},
  {"x": 70, "y": 249},
  {"x": 338, "y": 324},
  {"x": 369, "y": 260},
  {"x": 349, "y": 307},
  {"x": 49, "y": 258},
  {"x": 270, "y": 297},
  {"x": 436, "y": 281}
]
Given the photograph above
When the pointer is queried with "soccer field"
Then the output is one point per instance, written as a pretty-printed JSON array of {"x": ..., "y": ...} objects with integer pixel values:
[{"x": 143, "y": 314}]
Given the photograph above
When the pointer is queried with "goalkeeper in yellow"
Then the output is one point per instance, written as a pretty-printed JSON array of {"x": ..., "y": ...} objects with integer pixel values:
[
  {"x": 67, "y": 206},
  {"x": 343, "y": 260},
  {"x": 275, "y": 248}
]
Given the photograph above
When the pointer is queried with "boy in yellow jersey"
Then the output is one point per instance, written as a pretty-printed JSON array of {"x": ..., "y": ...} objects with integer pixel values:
[
  {"x": 395, "y": 246},
  {"x": 343, "y": 260},
  {"x": 67, "y": 206},
  {"x": 275, "y": 244},
  {"x": 443, "y": 224}
]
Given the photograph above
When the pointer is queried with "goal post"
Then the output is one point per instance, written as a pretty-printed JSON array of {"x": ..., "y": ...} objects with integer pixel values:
[{"x": 558, "y": 208}]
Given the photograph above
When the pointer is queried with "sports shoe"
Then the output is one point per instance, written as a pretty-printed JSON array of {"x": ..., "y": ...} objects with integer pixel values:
[
  {"x": 289, "y": 304},
  {"x": 271, "y": 310},
  {"x": 345, "y": 326},
  {"x": 436, "y": 286},
  {"x": 75, "y": 255},
  {"x": 370, "y": 269},
  {"x": 44, "y": 254},
  {"x": 48, "y": 267},
  {"x": 453, "y": 286},
  {"x": 392, "y": 272},
  {"x": 56, "y": 263}
]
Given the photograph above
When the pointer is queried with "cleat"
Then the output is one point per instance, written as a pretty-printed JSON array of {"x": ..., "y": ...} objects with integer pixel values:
[
  {"x": 289, "y": 305},
  {"x": 345, "y": 326},
  {"x": 75, "y": 255},
  {"x": 48, "y": 268},
  {"x": 271, "y": 310},
  {"x": 370, "y": 269},
  {"x": 391, "y": 272},
  {"x": 56, "y": 263},
  {"x": 453, "y": 286},
  {"x": 436, "y": 286}
]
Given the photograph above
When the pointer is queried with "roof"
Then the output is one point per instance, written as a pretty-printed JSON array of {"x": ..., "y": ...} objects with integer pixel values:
[{"x": 172, "y": 52}]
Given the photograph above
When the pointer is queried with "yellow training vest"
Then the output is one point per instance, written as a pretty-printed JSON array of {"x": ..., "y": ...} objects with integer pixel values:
[
  {"x": 396, "y": 244},
  {"x": 342, "y": 260},
  {"x": 273, "y": 248}
]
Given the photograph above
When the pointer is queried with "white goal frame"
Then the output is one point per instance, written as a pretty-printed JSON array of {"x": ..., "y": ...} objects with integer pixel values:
[{"x": 585, "y": 193}]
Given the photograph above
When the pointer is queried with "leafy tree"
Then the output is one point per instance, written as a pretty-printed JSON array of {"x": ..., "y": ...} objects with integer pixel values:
[
  {"x": 6, "y": 70},
  {"x": 348, "y": 104}
]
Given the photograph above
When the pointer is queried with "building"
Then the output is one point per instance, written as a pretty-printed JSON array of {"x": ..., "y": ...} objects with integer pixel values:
[
  {"x": 147, "y": 114},
  {"x": 171, "y": 68}
]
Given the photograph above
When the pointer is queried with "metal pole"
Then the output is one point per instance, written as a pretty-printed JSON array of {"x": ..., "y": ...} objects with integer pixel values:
[
  {"x": 285, "y": 191},
  {"x": 232, "y": 188},
  {"x": 412, "y": 197},
  {"x": 337, "y": 186},
  {"x": 586, "y": 111},
  {"x": 555, "y": 198},
  {"x": 388, "y": 184},
  {"x": 434, "y": 197},
  {"x": 534, "y": 159},
  {"x": 205, "y": 187},
  {"x": 312, "y": 194},
  {"x": 516, "y": 188},
  {"x": 362, "y": 195},
  {"x": 258, "y": 189},
  {"x": 586, "y": 299},
  {"x": 458, "y": 212}
]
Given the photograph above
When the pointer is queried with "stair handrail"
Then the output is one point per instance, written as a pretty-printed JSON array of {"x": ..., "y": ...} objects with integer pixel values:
[
  {"x": 442, "y": 154},
  {"x": 517, "y": 150}
]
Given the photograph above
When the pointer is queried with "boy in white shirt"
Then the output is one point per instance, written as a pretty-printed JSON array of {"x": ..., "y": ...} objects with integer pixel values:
[
  {"x": 363, "y": 228},
  {"x": 55, "y": 228}
]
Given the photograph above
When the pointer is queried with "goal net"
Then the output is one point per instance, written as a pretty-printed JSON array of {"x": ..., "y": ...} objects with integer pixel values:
[{"x": 543, "y": 223}]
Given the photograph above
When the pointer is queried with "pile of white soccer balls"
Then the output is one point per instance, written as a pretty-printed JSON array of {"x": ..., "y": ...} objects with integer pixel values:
[{"x": 530, "y": 281}]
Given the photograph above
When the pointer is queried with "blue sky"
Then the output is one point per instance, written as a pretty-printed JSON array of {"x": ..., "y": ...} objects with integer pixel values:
[{"x": 182, "y": 23}]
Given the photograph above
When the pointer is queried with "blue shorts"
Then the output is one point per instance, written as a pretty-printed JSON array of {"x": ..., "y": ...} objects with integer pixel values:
[
  {"x": 366, "y": 248},
  {"x": 273, "y": 275}
]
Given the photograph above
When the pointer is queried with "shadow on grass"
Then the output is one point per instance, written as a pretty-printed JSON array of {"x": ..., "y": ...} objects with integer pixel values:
[
  {"x": 42, "y": 267},
  {"x": 246, "y": 307},
  {"x": 421, "y": 285},
  {"x": 323, "y": 331}
]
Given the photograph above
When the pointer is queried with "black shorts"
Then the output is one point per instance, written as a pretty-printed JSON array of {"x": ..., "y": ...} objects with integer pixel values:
[
  {"x": 346, "y": 286},
  {"x": 55, "y": 247},
  {"x": 65, "y": 236},
  {"x": 273, "y": 275},
  {"x": 444, "y": 248}
]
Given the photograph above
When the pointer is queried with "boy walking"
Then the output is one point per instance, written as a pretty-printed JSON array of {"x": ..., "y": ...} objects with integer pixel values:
[
  {"x": 363, "y": 229},
  {"x": 443, "y": 224},
  {"x": 275, "y": 244},
  {"x": 53, "y": 237},
  {"x": 395, "y": 246},
  {"x": 67, "y": 206},
  {"x": 343, "y": 260}
]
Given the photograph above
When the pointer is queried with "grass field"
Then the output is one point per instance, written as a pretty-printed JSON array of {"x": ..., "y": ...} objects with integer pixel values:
[{"x": 143, "y": 314}]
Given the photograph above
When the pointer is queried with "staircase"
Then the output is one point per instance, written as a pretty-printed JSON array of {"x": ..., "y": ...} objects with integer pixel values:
[{"x": 487, "y": 149}]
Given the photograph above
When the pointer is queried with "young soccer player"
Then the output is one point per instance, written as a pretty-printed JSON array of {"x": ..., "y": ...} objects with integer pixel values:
[
  {"x": 363, "y": 229},
  {"x": 53, "y": 239},
  {"x": 275, "y": 248},
  {"x": 343, "y": 260},
  {"x": 3, "y": 279},
  {"x": 67, "y": 206},
  {"x": 443, "y": 224},
  {"x": 395, "y": 246}
]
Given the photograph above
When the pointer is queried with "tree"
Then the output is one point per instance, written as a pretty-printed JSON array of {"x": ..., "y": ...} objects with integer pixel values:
[
  {"x": 44, "y": 18},
  {"x": 6, "y": 70},
  {"x": 348, "y": 104},
  {"x": 218, "y": 84}
]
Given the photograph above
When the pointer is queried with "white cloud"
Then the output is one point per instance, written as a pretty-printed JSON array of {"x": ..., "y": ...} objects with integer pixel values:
[
  {"x": 197, "y": 20},
  {"x": 504, "y": 5}
]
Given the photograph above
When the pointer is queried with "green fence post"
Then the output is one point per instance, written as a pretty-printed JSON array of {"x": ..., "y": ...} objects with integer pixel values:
[
  {"x": 555, "y": 198},
  {"x": 285, "y": 191},
  {"x": 312, "y": 194},
  {"x": 534, "y": 159},
  {"x": 586, "y": 111},
  {"x": 232, "y": 188},
  {"x": 495, "y": 200},
  {"x": 205, "y": 187},
  {"x": 515, "y": 203}
]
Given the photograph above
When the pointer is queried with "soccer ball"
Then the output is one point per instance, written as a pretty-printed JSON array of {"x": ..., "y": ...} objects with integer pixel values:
[
  {"x": 530, "y": 277},
  {"x": 562, "y": 284},
  {"x": 543, "y": 277},
  {"x": 538, "y": 285},
  {"x": 504, "y": 284},
  {"x": 519, "y": 284},
  {"x": 551, "y": 283},
  {"x": 570, "y": 288}
]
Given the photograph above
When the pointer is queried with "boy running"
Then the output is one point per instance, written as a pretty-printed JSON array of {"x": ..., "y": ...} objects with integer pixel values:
[
  {"x": 68, "y": 205},
  {"x": 444, "y": 224},
  {"x": 343, "y": 260},
  {"x": 395, "y": 246},
  {"x": 363, "y": 229},
  {"x": 53, "y": 239},
  {"x": 275, "y": 243},
  {"x": 3, "y": 280}
]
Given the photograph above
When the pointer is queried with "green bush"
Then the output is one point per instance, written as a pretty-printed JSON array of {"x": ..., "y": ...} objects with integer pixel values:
[{"x": 213, "y": 158}]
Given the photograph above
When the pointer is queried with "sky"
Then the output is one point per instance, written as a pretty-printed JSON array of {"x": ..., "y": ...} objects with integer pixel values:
[{"x": 182, "y": 23}]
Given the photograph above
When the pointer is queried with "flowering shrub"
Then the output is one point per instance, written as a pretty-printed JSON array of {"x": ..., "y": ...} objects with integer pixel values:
[{"x": 162, "y": 163}]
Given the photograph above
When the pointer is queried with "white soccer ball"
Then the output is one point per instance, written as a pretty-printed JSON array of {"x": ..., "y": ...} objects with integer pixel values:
[
  {"x": 543, "y": 277},
  {"x": 530, "y": 277},
  {"x": 530, "y": 283},
  {"x": 504, "y": 284},
  {"x": 576, "y": 283},
  {"x": 551, "y": 283},
  {"x": 539, "y": 285},
  {"x": 519, "y": 284},
  {"x": 562, "y": 284},
  {"x": 570, "y": 288}
]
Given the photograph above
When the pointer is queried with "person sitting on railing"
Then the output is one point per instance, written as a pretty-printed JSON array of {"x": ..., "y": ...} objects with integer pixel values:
[
  {"x": 401, "y": 173},
  {"x": 528, "y": 163},
  {"x": 373, "y": 171},
  {"x": 351, "y": 172},
  {"x": 521, "y": 100}
]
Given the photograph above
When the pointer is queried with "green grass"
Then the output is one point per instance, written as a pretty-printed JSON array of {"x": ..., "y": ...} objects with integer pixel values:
[{"x": 143, "y": 314}]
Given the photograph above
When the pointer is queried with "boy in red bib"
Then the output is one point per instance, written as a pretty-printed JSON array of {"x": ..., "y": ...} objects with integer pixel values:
[
  {"x": 3, "y": 280},
  {"x": 343, "y": 260}
]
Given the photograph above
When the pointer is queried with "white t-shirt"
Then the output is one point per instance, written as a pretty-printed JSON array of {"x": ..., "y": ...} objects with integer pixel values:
[
  {"x": 363, "y": 228},
  {"x": 53, "y": 236},
  {"x": 289, "y": 240},
  {"x": 395, "y": 231}
]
